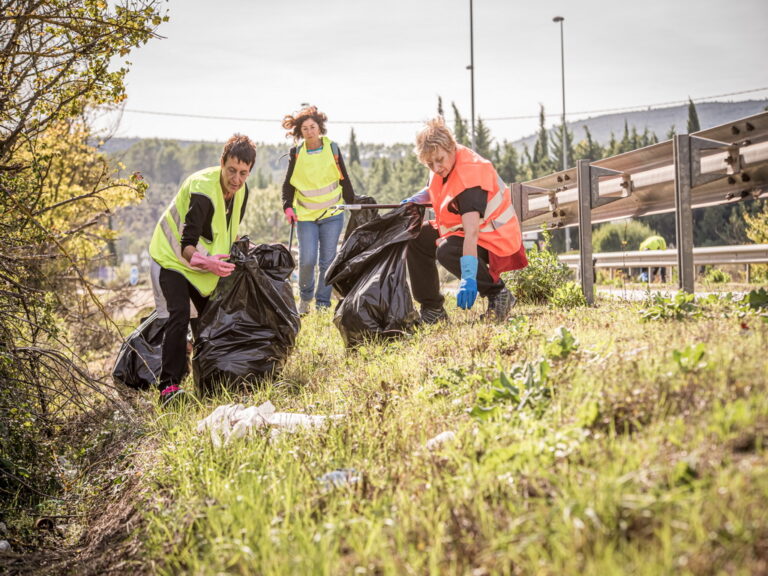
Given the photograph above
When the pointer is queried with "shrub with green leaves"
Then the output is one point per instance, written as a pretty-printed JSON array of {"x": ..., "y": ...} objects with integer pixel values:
[
  {"x": 526, "y": 386},
  {"x": 716, "y": 276},
  {"x": 537, "y": 283},
  {"x": 677, "y": 307},
  {"x": 690, "y": 359},
  {"x": 569, "y": 295},
  {"x": 620, "y": 236}
]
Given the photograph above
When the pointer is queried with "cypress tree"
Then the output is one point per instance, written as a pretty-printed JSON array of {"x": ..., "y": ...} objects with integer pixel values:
[
  {"x": 460, "y": 131},
  {"x": 693, "y": 117},
  {"x": 354, "y": 151},
  {"x": 483, "y": 139}
]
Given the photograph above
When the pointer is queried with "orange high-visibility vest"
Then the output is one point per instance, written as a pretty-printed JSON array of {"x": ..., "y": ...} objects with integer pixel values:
[{"x": 499, "y": 227}]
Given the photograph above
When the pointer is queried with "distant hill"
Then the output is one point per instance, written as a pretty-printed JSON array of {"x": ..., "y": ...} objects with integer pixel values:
[{"x": 657, "y": 120}]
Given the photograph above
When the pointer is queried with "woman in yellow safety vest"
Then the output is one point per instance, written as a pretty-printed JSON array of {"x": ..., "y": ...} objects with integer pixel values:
[
  {"x": 315, "y": 182},
  {"x": 475, "y": 236},
  {"x": 190, "y": 244}
]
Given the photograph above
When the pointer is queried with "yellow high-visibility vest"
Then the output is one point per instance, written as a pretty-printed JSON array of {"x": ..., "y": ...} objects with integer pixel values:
[
  {"x": 316, "y": 178},
  {"x": 165, "y": 247}
]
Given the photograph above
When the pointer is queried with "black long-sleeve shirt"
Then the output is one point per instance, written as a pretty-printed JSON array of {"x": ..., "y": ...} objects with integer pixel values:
[
  {"x": 347, "y": 192},
  {"x": 199, "y": 217}
]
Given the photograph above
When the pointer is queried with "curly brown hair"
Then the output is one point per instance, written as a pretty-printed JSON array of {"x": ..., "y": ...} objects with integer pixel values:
[{"x": 293, "y": 123}]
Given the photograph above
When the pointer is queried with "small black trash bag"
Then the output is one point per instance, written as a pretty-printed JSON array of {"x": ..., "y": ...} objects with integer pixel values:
[
  {"x": 369, "y": 272},
  {"x": 250, "y": 323},
  {"x": 140, "y": 358},
  {"x": 359, "y": 217}
]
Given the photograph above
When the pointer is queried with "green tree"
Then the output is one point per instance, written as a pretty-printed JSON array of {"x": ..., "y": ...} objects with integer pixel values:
[
  {"x": 620, "y": 236},
  {"x": 693, "y": 118},
  {"x": 541, "y": 163},
  {"x": 354, "y": 151},
  {"x": 483, "y": 139},
  {"x": 557, "y": 148},
  {"x": 506, "y": 161},
  {"x": 460, "y": 130},
  {"x": 57, "y": 194},
  {"x": 377, "y": 182},
  {"x": 588, "y": 149}
]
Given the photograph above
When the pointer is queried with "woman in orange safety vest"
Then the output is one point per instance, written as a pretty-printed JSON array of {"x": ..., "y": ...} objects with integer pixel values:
[{"x": 475, "y": 235}]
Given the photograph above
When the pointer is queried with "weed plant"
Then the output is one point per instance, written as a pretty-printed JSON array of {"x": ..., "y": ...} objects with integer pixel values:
[{"x": 584, "y": 441}]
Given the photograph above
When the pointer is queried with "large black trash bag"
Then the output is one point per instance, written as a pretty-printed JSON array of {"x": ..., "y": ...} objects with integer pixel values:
[
  {"x": 369, "y": 272},
  {"x": 250, "y": 324},
  {"x": 140, "y": 358}
]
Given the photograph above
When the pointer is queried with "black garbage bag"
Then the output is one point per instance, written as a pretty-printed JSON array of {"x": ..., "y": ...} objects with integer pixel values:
[
  {"x": 140, "y": 358},
  {"x": 359, "y": 217},
  {"x": 369, "y": 272},
  {"x": 250, "y": 324}
]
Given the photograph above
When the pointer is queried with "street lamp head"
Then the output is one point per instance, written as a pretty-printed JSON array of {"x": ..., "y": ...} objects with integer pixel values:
[{"x": 558, "y": 19}]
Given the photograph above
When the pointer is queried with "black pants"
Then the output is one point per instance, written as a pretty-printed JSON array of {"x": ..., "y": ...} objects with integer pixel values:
[
  {"x": 178, "y": 292},
  {"x": 423, "y": 255}
]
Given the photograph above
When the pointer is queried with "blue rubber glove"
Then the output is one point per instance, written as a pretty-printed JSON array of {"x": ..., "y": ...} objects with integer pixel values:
[
  {"x": 467, "y": 293},
  {"x": 421, "y": 197}
]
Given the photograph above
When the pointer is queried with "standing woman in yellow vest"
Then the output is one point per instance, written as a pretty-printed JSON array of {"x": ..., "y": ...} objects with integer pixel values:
[
  {"x": 315, "y": 181},
  {"x": 191, "y": 241}
]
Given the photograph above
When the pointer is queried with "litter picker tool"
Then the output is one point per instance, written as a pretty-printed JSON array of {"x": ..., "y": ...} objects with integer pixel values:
[
  {"x": 290, "y": 238},
  {"x": 371, "y": 206}
]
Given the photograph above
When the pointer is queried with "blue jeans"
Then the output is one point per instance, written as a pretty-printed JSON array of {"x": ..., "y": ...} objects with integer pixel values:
[{"x": 317, "y": 237}]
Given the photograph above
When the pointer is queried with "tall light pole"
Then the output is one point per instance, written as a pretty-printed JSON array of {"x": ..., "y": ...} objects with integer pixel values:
[
  {"x": 560, "y": 19},
  {"x": 562, "y": 72},
  {"x": 471, "y": 69}
]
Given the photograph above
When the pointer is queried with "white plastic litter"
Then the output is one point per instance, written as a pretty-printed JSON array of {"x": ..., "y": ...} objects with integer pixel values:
[
  {"x": 440, "y": 439},
  {"x": 235, "y": 421},
  {"x": 5, "y": 546}
]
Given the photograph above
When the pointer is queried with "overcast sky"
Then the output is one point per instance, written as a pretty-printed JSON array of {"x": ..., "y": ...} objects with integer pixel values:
[{"x": 379, "y": 66}]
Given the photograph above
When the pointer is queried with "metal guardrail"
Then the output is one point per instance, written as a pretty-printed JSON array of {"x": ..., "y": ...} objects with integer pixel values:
[
  {"x": 747, "y": 254},
  {"x": 724, "y": 164}
]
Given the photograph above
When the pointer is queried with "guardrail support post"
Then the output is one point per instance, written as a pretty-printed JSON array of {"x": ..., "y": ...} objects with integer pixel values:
[
  {"x": 586, "y": 270},
  {"x": 684, "y": 212}
]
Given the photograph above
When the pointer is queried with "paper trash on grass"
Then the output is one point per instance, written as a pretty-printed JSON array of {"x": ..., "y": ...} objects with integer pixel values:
[
  {"x": 231, "y": 421},
  {"x": 338, "y": 478},
  {"x": 440, "y": 439}
]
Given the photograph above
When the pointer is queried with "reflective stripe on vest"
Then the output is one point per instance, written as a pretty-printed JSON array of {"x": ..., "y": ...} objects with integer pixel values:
[
  {"x": 319, "y": 192},
  {"x": 498, "y": 229},
  {"x": 165, "y": 247},
  {"x": 494, "y": 203},
  {"x": 173, "y": 240}
]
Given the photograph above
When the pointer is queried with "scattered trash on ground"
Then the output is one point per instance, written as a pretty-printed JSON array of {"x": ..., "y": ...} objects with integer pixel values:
[
  {"x": 231, "y": 421},
  {"x": 338, "y": 478},
  {"x": 440, "y": 439}
]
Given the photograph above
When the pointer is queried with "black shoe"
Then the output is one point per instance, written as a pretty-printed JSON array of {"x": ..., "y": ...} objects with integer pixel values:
[
  {"x": 433, "y": 315},
  {"x": 499, "y": 305}
]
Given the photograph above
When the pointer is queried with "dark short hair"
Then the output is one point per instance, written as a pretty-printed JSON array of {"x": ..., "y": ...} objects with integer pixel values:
[{"x": 241, "y": 148}]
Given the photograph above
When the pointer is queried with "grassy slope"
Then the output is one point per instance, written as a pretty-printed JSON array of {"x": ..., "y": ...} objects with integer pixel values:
[{"x": 636, "y": 464}]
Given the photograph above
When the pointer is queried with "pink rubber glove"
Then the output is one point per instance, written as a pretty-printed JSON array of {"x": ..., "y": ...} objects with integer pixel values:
[
  {"x": 214, "y": 264},
  {"x": 290, "y": 215}
]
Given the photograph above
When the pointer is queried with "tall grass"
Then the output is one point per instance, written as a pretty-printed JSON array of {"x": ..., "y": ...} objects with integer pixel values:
[{"x": 634, "y": 453}]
